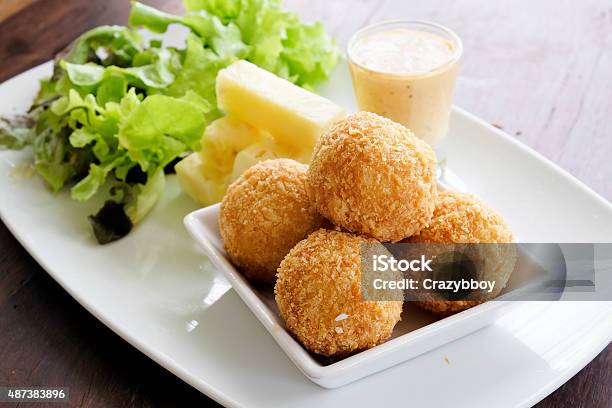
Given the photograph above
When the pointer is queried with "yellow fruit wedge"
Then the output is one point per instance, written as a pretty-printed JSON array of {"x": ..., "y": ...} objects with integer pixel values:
[
  {"x": 222, "y": 140},
  {"x": 197, "y": 184},
  {"x": 264, "y": 150},
  {"x": 294, "y": 116}
]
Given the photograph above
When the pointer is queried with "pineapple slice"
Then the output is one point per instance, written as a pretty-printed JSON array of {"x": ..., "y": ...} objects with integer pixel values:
[
  {"x": 267, "y": 118},
  {"x": 197, "y": 183},
  {"x": 266, "y": 149},
  {"x": 222, "y": 140},
  {"x": 293, "y": 115}
]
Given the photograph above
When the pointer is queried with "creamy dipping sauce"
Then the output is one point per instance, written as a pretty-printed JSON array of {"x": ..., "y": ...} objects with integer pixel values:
[
  {"x": 402, "y": 51},
  {"x": 406, "y": 74}
]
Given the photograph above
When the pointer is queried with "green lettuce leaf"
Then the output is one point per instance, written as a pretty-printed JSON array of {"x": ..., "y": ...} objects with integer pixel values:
[
  {"x": 199, "y": 73},
  {"x": 309, "y": 53},
  {"x": 158, "y": 74},
  {"x": 89, "y": 185},
  {"x": 278, "y": 40},
  {"x": 142, "y": 198},
  {"x": 152, "y": 132},
  {"x": 16, "y": 133},
  {"x": 106, "y": 45},
  {"x": 224, "y": 40},
  {"x": 153, "y": 19}
]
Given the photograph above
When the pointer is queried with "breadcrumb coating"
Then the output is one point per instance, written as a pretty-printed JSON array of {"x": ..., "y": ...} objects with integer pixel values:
[
  {"x": 462, "y": 218},
  {"x": 318, "y": 292},
  {"x": 264, "y": 213},
  {"x": 372, "y": 176}
]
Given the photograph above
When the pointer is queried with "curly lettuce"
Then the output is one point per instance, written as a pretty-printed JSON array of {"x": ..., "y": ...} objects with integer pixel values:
[
  {"x": 118, "y": 113},
  {"x": 260, "y": 31}
]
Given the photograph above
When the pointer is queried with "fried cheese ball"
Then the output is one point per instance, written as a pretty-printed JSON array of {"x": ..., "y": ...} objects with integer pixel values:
[
  {"x": 462, "y": 218},
  {"x": 372, "y": 176},
  {"x": 318, "y": 293},
  {"x": 264, "y": 213}
]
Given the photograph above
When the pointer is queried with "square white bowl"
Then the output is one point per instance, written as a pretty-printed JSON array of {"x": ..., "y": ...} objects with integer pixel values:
[{"x": 417, "y": 333}]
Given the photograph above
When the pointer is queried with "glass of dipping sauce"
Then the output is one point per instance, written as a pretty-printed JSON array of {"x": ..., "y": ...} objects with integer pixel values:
[{"x": 406, "y": 70}]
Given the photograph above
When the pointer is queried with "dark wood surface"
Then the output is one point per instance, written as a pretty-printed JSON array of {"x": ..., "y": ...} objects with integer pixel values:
[{"x": 542, "y": 77}]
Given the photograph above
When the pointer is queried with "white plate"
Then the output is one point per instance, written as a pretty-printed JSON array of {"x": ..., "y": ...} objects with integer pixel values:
[{"x": 156, "y": 290}]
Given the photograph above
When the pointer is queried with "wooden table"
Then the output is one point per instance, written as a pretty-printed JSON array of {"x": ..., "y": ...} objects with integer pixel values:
[{"x": 538, "y": 69}]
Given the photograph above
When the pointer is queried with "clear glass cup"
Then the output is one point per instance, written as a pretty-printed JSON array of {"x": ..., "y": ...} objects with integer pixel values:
[{"x": 420, "y": 99}]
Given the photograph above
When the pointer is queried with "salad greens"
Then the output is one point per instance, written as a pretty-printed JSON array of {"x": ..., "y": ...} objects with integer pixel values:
[{"x": 119, "y": 112}]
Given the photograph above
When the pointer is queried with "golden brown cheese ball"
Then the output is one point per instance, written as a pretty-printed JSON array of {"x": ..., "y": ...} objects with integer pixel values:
[
  {"x": 264, "y": 213},
  {"x": 318, "y": 292},
  {"x": 462, "y": 218},
  {"x": 372, "y": 176}
]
